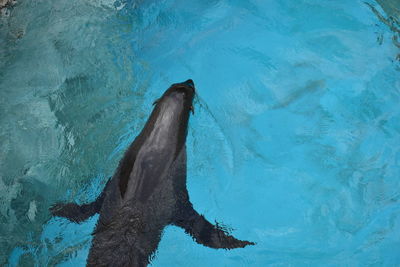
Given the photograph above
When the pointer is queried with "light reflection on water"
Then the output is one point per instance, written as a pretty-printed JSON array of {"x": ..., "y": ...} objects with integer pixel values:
[{"x": 294, "y": 143}]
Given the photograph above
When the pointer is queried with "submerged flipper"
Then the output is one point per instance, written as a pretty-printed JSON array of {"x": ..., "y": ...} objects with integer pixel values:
[
  {"x": 205, "y": 233},
  {"x": 79, "y": 213}
]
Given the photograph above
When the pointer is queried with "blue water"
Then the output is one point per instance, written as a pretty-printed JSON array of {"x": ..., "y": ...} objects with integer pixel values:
[{"x": 294, "y": 144}]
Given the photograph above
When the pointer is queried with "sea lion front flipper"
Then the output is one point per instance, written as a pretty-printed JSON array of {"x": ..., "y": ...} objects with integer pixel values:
[
  {"x": 79, "y": 213},
  {"x": 205, "y": 233}
]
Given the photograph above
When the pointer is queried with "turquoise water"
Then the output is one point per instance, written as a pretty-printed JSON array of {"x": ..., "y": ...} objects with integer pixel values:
[{"x": 294, "y": 143}]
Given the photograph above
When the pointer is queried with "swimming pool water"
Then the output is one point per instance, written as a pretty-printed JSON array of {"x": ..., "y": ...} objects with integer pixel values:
[{"x": 294, "y": 143}]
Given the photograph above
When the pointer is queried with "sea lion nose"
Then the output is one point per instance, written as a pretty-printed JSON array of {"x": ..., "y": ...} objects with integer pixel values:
[{"x": 189, "y": 82}]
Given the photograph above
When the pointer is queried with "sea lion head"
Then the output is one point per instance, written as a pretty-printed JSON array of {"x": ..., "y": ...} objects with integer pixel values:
[
  {"x": 178, "y": 94},
  {"x": 184, "y": 91}
]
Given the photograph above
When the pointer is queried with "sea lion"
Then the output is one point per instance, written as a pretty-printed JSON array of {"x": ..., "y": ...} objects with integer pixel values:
[{"x": 148, "y": 192}]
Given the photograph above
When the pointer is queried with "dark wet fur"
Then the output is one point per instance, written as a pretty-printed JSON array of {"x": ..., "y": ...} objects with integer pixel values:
[{"x": 147, "y": 193}]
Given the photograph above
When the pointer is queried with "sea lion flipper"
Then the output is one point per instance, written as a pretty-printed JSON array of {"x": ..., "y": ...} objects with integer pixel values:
[
  {"x": 74, "y": 212},
  {"x": 205, "y": 233},
  {"x": 79, "y": 213}
]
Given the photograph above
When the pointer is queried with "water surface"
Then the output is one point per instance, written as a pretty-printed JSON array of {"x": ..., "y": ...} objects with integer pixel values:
[{"x": 294, "y": 144}]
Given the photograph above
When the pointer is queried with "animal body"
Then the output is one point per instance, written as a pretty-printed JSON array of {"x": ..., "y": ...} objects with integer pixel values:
[{"x": 148, "y": 192}]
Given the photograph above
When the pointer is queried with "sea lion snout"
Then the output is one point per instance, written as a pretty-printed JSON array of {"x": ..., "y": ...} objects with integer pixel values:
[
  {"x": 186, "y": 87},
  {"x": 189, "y": 83}
]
